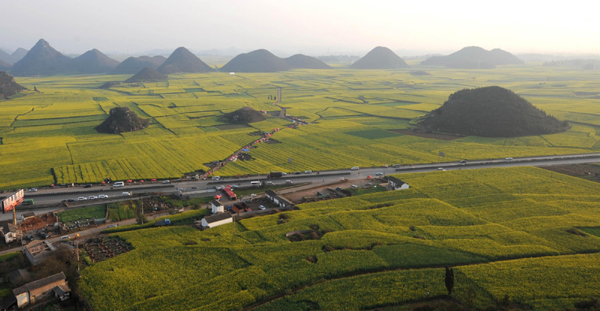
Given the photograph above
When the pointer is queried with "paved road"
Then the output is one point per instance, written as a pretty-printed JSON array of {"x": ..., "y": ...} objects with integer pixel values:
[{"x": 44, "y": 196}]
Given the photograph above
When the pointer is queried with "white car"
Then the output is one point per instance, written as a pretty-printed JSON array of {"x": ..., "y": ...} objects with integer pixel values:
[
  {"x": 308, "y": 172},
  {"x": 33, "y": 190},
  {"x": 126, "y": 194},
  {"x": 103, "y": 196},
  {"x": 441, "y": 169},
  {"x": 166, "y": 182},
  {"x": 92, "y": 197},
  {"x": 508, "y": 159},
  {"x": 262, "y": 207},
  {"x": 81, "y": 199}
]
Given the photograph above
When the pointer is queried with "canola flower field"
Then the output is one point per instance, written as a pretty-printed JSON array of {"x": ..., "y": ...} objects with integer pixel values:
[
  {"x": 525, "y": 233},
  {"x": 49, "y": 137}
]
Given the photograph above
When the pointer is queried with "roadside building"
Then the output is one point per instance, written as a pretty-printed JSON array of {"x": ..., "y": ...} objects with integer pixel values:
[
  {"x": 42, "y": 289},
  {"x": 37, "y": 252},
  {"x": 27, "y": 215},
  {"x": 278, "y": 199},
  {"x": 217, "y": 207},
  {"x": 10, "y": 232},
  {"x": 216, "y": 220},
  {"x": 397, "y": 184}
]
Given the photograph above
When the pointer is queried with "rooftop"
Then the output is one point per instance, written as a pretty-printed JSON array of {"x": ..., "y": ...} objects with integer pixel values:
[
  {"x": 39, "y": 283},
  {"x": 217, "y": 217}
]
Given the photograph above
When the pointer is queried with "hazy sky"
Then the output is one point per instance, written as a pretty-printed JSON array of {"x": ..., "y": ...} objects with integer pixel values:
[{"x": 313, "y": 27}]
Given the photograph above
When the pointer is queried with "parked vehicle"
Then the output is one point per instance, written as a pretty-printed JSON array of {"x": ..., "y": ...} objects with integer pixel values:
[
  {"x": 194, "y": 188},
  {"x": 308, "y": 172},
  {"x": 379, "y": 174},
  {"x": 355, "y": 168},
  {"x": 396, "y": 165},
  {"x": 509, "y": 159},
  {"x": 354, "y": 187},
  {"x": 118, "y": 184},
  {"x": 103, "y": 196},
  {"x": 288, "y": 182},
  {"x": 262, "y": 207},
  {"x": 112, "y": 226},
  {"x": 269, "y": 183},
  {"x": 81, "y": 199},
  {"x": 88, "y": 186},
  {"x": 166, "y": 181},
  {"x": 297, "y": 173},
  {"x": 92, "y": 197},
  {"x": 64, "y": 237},
  {"x": 463, "y": 161},
  {"x": 71, "y": 200},
  {"x": 441, "y": 169},
  {"x": 33, "y": 190},
  {"x": 339, "y": 189},
  {"x": 126, "y": 194}
]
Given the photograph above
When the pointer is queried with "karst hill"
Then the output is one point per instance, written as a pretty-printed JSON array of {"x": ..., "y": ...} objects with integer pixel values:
[{"x": 490, "y": 112}]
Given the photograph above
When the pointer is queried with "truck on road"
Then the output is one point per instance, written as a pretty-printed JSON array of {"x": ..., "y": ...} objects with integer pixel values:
[{"x": 275, "y": 175}]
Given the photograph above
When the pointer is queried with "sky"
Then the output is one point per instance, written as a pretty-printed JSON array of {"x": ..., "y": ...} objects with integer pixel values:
[{"x": 313, "y": 27}]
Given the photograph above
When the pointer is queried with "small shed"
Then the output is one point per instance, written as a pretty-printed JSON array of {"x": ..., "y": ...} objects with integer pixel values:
[
  {"x": 397, "y": 184},
  {"x": 27, "y": 215},
  {"x": 216, "y": 220},
  {"x": 217, "y": 207}
]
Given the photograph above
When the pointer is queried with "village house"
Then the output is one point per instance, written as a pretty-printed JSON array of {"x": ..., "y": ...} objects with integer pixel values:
[
  {"x": 397, "y": 184},
  {"x": 10, "y": 232},
  {"x": 278, "y": 200},
  {"x": 217, "y": 207},
  {"x": 54, "y": 285},
  {"x": 216, "y": 220}
]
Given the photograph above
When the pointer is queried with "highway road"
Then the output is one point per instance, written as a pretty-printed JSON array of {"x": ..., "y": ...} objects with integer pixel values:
[{"x": 206, "y": 187}]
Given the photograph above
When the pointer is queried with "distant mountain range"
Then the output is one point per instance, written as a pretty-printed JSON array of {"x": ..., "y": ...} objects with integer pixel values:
[
  {"x": 265, "y": 61},
  {"x": 380, "y": 58},
  {"x": 474, "y": 57},
  {"x": 44, "y": 60},
  {"x": 14, "y": 57},
  {"x": 182, "y": 60},
  {"x": 134, "y": 65},
  {"x": 92, "y": 61}
]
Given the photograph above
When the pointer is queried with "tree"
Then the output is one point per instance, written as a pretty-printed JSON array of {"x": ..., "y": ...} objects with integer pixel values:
[{"x": 449, "y": 279}]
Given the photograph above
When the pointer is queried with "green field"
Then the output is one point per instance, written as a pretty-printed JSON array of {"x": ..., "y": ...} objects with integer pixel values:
[
  {"x": 49, "y": 137},
  {"x": 97, "y": 211},
  {"x": 514, "y": 231}
]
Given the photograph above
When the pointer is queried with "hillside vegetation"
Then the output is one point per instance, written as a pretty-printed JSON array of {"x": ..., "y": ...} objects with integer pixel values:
[
  {"x": 8, "y": 86},
  {"x": 491, "y": 112},
  {"x": 504, "y": 230}
]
